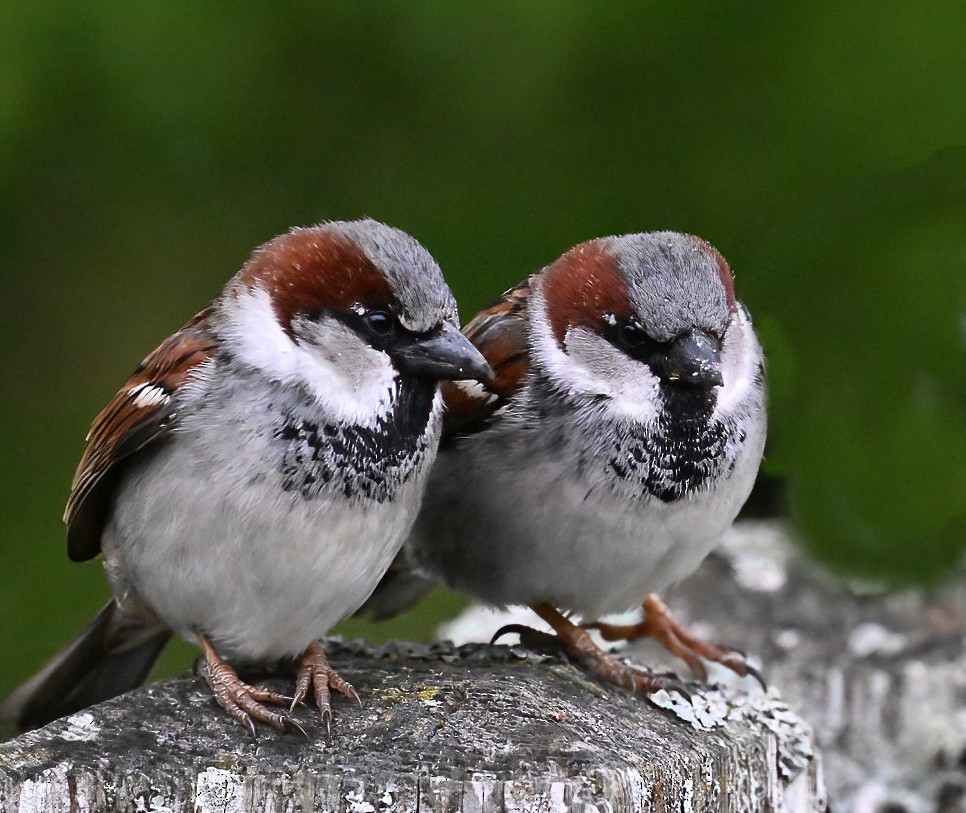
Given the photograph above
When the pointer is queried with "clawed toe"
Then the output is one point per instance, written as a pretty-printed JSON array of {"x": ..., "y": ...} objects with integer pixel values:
[
  {"x": 242, "y": 702},
  {"x": 248, "y": 704},
  {"x": 534, "y": 640},
  {"x": 736, "y": 662},
  {"x": 659, "y": 624},
  {"x": 581, "y": 649},
  {"x": 263, "y": 695},
  {"x": 315, "y": 673}
]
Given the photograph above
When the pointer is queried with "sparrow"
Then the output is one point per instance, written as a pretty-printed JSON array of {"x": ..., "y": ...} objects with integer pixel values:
[
  {"x": 617, "y": 442},
  {"x": 251, "y": 482}
]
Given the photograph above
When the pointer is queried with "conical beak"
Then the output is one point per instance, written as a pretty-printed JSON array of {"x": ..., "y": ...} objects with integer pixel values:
[
  {"x": 694, "y": 358},
  {"x": 443, "y": 354}
]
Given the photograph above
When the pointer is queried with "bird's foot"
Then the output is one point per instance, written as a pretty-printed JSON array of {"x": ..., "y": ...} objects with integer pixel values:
[
  {"x": 315, "y": 673},
  {"x": 581, "y": 648},
  {"x": 538, "y": 641},
  {"x": 659, "y": 624},
  {"x": 243, "y": 702}
]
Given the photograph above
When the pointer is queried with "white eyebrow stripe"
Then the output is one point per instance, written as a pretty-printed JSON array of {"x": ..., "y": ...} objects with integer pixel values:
[{"x": 148, "y": 394}]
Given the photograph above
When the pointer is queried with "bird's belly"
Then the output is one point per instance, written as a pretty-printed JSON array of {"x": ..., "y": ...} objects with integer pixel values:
[
  {"x": 260, "y": 571},
  {"x": 543, "y": 537},
  {"x": 607, "y": 558}
]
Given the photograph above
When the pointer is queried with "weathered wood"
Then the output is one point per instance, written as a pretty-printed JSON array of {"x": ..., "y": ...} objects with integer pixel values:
[
  {"x": 440, "y": 729},
  {"x": 880, "y": 676}
]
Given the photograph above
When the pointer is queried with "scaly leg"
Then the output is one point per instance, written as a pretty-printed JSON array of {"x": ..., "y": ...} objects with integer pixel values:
[
  {"x": 580, "y": 647},
  {"x": 314, "y": 672},
  {"x": 659, "y": 624},
  {"x": 243, "y": 703}
]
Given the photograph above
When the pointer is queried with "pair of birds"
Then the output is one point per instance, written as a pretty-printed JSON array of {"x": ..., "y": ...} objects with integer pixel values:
[{"x": 262, "y": 474}]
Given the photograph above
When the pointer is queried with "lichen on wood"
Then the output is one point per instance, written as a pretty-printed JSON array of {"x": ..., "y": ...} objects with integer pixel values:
[{"x": 440, "y": 728}]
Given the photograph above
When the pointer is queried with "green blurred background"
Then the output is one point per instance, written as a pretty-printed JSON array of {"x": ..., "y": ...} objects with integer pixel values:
[{"x": 146, "y": 148}]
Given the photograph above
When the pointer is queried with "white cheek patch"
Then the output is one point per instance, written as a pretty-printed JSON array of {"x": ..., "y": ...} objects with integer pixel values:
[
  {"x": 633, "y": 390},
  {"x": 592, "y": 366},
  {"x": 740, "y": 356},
  {"x": 352, "y": 380},
  {"x": 148, "y": 395}
]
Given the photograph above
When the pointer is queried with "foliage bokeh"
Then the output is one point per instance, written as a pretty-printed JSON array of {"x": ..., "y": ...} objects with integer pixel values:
[{"x": 145, "y": 149}]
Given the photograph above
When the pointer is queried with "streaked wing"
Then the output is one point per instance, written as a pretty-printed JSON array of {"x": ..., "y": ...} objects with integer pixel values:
[
  {"x": 500, "y": 334},
  {"x": 142, "y": 412}
]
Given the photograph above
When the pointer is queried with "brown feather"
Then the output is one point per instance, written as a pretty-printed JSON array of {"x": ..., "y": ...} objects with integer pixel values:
[
  {"x": 500, "y": 333},
  {"x": 584, "y": 287},
  {"x": 296, "y": 271},
  {"x": 125, "y": 426}
]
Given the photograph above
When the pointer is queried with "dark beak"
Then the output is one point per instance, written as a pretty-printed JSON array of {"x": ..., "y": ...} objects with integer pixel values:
[
  {"x": 444, "y": 353},
  {"x": 693, "y": 359}
]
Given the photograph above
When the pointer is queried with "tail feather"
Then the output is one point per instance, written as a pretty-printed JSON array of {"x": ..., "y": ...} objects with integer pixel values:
[
  {"x": 112, "y": 655},
  {"x": 399, "y": 589}
]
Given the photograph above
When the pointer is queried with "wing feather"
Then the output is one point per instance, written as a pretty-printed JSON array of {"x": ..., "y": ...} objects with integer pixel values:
[
  {"x": 500, "y": 333},
  {"x": 141, "y": 413}
]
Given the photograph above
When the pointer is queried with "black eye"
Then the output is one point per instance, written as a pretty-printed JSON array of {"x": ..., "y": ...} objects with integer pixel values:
[
  {"x": 380, "y": 322},
  {"x": 632, "y": 336}
]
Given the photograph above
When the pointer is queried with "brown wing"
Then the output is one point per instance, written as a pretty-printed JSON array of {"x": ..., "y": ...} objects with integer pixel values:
[
  {"x": 500, "y": 334},
  {"x": 142, "y": 412}
]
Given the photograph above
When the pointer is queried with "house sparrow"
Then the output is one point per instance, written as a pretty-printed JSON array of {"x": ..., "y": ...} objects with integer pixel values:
[
  {"x": 617, "y": 442},
  {"x": 252, "y": 481}
]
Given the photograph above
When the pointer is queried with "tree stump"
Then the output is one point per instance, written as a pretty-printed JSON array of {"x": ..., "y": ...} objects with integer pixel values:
[
  {"x": 475, "y": 728},
  {"x": 880, "y": 676}
]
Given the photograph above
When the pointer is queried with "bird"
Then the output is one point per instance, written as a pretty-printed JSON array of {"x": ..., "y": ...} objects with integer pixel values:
[
  {"x": 252, "y": 480},
  {"x": 618, "y": 440}
]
